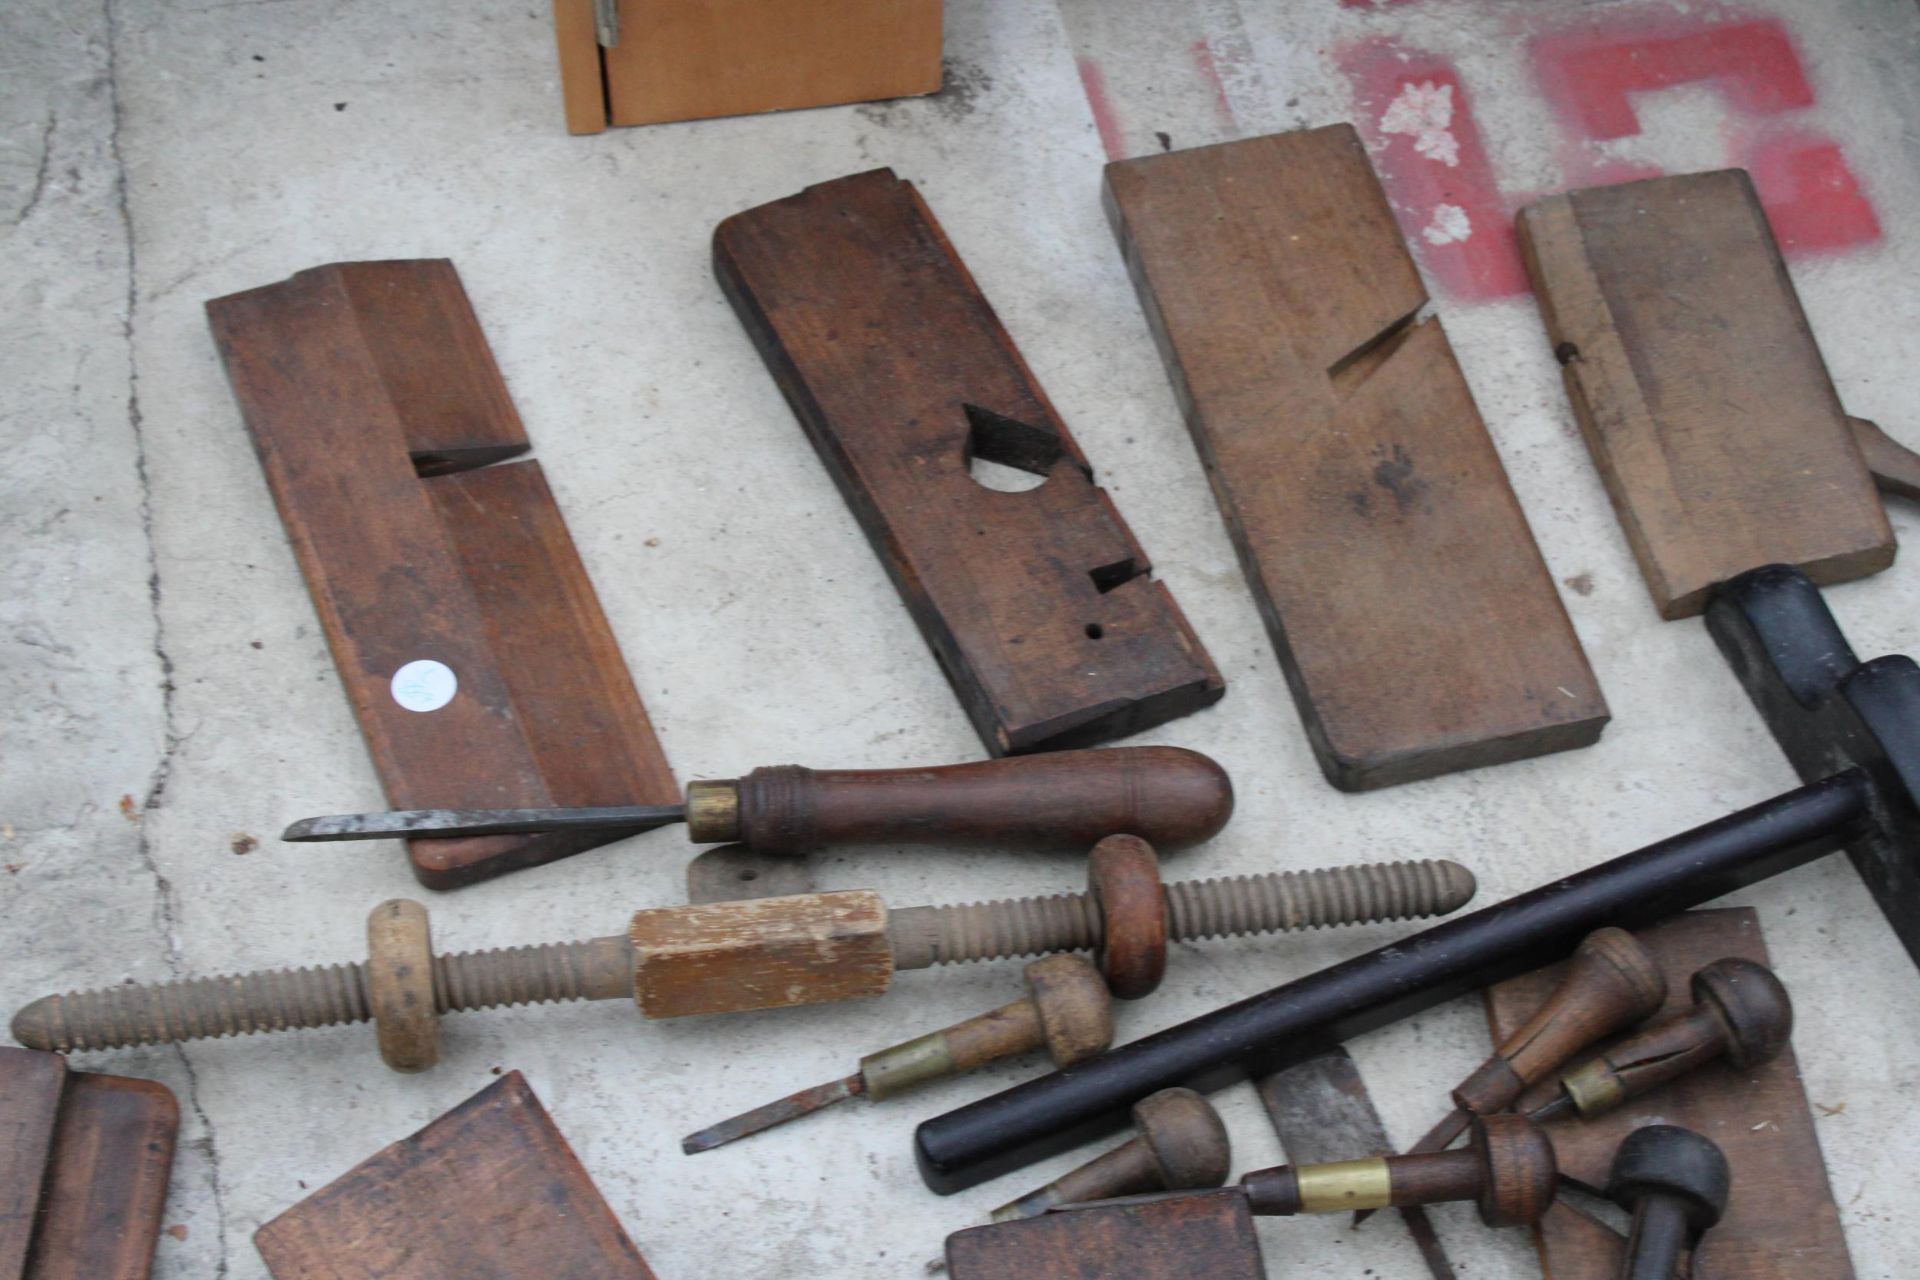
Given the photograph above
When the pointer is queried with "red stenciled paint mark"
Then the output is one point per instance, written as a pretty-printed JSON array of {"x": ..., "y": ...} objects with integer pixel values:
[
  {"x": 1209, "y": 68},
  {"x": 1418, "y": 122},
  {"x": 1094, "y": 83},
  {"x": 1589, "y": 75}
]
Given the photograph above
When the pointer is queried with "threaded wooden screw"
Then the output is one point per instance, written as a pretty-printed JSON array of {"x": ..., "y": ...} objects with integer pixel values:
[{"x": 603, "y": 968}]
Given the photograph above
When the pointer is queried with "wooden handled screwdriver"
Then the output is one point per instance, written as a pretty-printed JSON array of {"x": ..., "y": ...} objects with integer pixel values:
[
  {"x": 1168, "y": 796},
  {"x": 1741, "y": 1012},
  {"x": 1611, "y": 983},
  {"x": 1067, "y": 1011},
  {"x": 1507, "y": 1169}
]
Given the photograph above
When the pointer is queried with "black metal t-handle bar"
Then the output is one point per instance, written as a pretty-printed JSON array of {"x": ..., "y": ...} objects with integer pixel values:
[{"x": 1277, "y": 1028}]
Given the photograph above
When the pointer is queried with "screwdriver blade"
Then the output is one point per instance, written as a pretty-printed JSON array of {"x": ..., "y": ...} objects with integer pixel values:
[
  {"x": 802, "y": 1103},
  {"x": 1145, "y": 1197},
  {"x": 1551, "y": 1110},
  {"x": 1438, "y": 1138},
  {"x": 405, "y": 824}
]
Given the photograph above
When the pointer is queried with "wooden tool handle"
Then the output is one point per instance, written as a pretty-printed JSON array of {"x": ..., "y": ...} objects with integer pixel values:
[
  {"x": 1611, "y": 983},
  {"x": 1065, "y": 800}
]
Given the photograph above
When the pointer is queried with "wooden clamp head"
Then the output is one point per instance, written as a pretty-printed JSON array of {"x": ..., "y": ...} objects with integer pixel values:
[
  {"x": 761, "y": 953},
  {"x": 1829, "y": 711},
  {"x": 1123, "y": 878},
  {"x": 400, "y": 985}
]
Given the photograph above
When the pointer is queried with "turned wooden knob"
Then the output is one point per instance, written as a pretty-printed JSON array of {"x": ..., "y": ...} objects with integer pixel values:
[
  {"x": 1123, "y": 879},
  {"x": 1074, "y": 1006},
  {"x": 1675, "y": 1184},
  {"x": 1751, "y": 1004},
  {"x": 1519, "y": 1174},
  {"x": 1507, "y": 1170}
]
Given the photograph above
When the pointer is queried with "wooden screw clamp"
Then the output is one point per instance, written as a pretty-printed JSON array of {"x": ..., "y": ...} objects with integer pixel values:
[
  {"x": 730, "y": 956},
  {"x": 1181, "y": 1144},
  {"x": 1741, "y": 1012},
  {"x": 1675, "y": 1183}
]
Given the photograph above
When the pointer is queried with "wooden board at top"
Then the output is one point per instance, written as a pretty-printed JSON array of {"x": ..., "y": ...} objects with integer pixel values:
[
  {"x": 1415, "y": 617},
  {"x": 1781, "y": 1222},
  {"x": 30, "y": 1087},
  {"x": 1038, "y": 603},
  {"x": 690, "y": 59},
  {"x": 1206, "y": 1236},
  {"x": 1699, "y": 387},
  {"x": 374, "y": 403},
  {"x": 489, "y": 1191}
]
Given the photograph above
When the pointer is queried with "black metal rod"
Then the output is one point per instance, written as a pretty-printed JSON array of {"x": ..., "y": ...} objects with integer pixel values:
[{"x": 1292, "y": 1022}]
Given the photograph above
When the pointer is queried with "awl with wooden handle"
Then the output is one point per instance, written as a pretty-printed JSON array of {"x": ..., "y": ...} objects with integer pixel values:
[{"x": 1168, "y": 796}]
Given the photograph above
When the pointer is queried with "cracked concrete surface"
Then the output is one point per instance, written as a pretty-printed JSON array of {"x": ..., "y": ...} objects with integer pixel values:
[{"x": 171, "y": 700}]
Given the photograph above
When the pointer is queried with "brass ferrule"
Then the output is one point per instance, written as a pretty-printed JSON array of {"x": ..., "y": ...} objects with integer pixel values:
[
  {"x": 1344, "y": 1185},
  {"x": 906, "y": 1066},
  {"x": 713, "y": 811},
  {"x": 1594, "y": 1088}
]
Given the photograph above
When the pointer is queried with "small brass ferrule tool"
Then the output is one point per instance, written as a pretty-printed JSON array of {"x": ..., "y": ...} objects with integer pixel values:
[
  {"x": 1067, "y": 1011},
  {"x": 1741, "y": 1012},
  {"x": 1507, "y": 1170}
]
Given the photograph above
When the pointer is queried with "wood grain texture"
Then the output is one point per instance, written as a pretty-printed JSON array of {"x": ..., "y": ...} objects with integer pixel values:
[
  {"x": 1038, "y": 603},
  {"x": 1410, "y": 607},
  {"x": 1209, "y": 1234},
  {"x": 30, "y": 1087},
  {"x": 583, "y": 84},
  {"x": 1067, "y": 801},
  {"x": 489, "y": 1191},
  {"x": 764, "y": 953},
  {"x": 1781, "y": 1221},
  {"x": 1698, "y": 386},
  {"x": 355, "y": 379},
  {"x": 690, "y": 59},
  {"x": 107, "y": 1184}
]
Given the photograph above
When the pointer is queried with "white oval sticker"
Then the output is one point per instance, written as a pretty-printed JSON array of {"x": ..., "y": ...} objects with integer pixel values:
[{"x": 424, "y": 685}]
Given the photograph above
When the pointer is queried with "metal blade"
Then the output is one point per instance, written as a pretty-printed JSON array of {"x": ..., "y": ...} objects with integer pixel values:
[
  {"x": 1551, "y": 1110},
  {"x": 1146, "y": 1197},
  {"x": 802, "y": 1103},
  {"x": 1322, "y": 1112},
  {"x": 405, "y": 824},
  {"x": 606, "y": 22}
]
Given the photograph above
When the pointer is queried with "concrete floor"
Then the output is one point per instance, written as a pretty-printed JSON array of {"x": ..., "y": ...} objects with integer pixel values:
[{"x": 171, "y": 692}]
